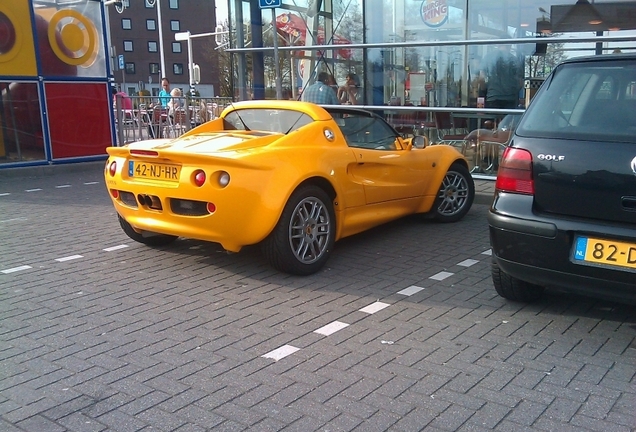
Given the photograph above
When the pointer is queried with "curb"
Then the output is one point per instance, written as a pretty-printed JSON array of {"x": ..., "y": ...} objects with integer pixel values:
[
  {"x": 483, "y": 198},
  {"x": 49, "y": 170}
]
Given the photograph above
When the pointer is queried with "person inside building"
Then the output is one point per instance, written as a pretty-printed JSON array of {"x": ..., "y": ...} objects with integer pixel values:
[
  {"x": 349, "y": 93},
  {"x": 503, "y": 77},
  {"x": 320, "y": 92}
]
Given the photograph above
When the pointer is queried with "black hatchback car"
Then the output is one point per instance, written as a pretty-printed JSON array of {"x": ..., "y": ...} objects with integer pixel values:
[{"x": 564, "y": 210}]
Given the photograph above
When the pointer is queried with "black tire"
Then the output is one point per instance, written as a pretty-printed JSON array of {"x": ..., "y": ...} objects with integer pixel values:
[
  {"x": 455, "y": 195},
  {"x": 151, "y": 239},
  {"x": 513, "y": 288},
  {"x": 304, "y": 236}
]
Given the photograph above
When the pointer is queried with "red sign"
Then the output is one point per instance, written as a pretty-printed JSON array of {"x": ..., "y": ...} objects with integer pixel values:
[{"x": 296, "y": 27}]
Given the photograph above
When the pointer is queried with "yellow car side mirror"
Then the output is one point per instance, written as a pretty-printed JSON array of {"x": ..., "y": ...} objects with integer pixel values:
[{"x": 419, "y": 142}]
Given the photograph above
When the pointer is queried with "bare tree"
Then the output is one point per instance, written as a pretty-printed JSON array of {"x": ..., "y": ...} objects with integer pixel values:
[{"x": 541, "y": 65}]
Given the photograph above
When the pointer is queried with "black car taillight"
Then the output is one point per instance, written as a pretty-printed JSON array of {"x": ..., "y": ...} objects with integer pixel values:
[{"x": 515, "y": 172}]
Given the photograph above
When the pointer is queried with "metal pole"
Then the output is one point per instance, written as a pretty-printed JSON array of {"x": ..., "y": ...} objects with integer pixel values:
[
  {"x": 279, "y": 87},
  {"x": 292, "y": 72},
  {"x": 163, "y": 60},
  {"x": 242, "y": 57},
  {"x": 190, "y": 72}
]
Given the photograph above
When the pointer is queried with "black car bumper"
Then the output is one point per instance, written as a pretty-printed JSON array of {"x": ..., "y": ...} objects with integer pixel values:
[{"x": 539, "y": 249}]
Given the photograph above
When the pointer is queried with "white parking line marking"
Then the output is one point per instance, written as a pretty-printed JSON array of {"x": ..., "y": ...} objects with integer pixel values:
[
  {"x": 5, "y": 194},
  {"x": 468, "y": 263},
  {"x": 69, "y": 258},
  {"x": 91, "y": 183},
  {"x": 441, "y": 275},
  {"x": 114, "y": 248},
  {"x": 14, "y": 219},
  {"x": 281, "y": 352},
  {"x": 331, "y": 328},
  {"x": 410, "y": 290},
  {"x": 16, "y": 269},
  {"x": 63, "y": 186},
  {"x": 374, "y": 307},
  {"x": 487, "y": 252},
  {"x": 33, "y": 190}
]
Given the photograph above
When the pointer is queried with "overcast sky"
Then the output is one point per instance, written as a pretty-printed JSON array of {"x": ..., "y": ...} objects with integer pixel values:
[{"x": 221, "y": 10}]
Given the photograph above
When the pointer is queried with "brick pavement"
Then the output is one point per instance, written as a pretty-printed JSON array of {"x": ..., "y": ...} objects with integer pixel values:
[{"x": 99, "y": 333}]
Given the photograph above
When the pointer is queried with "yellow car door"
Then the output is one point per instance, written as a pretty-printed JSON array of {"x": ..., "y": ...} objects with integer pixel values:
[
  {"x": 390, "y": 174},
  {"x": 386, "y": 169}
]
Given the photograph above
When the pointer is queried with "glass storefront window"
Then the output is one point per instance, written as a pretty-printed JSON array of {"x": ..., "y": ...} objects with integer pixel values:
[
  {"x": 21, "y": 137},
  {"x": 463, "y": 54},
  {"x": 336, "y": 23}
]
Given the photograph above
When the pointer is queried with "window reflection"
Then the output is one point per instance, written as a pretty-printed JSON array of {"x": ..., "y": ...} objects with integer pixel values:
[{"x": 21, "y": 134}]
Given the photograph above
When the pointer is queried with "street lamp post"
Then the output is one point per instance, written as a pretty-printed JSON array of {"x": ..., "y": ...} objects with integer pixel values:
[
  {"x": 187, "y": 36},
  {"x": 160, "y": 28}
]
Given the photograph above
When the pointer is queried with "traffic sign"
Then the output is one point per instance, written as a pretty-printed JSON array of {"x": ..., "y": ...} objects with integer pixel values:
[
  {"x": 269, "y": 4},
  {"x": 120, "y": 59}
]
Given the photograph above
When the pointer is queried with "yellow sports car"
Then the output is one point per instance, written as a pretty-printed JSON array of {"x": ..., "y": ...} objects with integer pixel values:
[{"x": 292, "y": 176}]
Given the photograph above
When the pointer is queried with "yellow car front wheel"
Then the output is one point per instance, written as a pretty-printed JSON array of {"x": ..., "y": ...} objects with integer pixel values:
[{"x": 455, "y": 195}]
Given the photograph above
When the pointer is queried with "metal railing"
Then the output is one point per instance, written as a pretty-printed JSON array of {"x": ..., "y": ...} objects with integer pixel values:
[
  {"x": 143, "y": 117},
  {"x": 145, "y": 121}
]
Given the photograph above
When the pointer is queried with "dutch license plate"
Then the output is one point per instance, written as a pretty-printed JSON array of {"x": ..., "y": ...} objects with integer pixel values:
[
  {"x": 153, "y": 171},
  {"x": 607, "y": 252}
]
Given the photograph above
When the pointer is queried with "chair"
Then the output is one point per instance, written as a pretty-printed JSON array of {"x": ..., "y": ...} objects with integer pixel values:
[
  {"x": 405, "y": 123},
  {"x": 178, "y": 123},
  {"x": 158, "y": 122},
  {"x": 450, "y": 131},
  {"x": 423, "y": 123}
]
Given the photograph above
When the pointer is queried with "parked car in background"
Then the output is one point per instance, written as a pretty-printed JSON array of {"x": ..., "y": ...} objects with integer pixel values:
[
  {"x": 289, "y": 175},
  {"x": 564, "y": 210}
]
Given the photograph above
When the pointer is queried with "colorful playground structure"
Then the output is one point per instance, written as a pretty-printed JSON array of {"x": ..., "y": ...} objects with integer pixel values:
[{"x": 55, "y": 98}]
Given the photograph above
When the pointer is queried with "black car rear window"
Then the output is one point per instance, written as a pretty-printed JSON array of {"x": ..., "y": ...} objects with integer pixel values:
[{"x": 588, "y": 100}]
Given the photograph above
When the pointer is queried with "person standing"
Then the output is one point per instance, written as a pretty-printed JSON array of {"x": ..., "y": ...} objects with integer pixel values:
[
  {"x": 503, "y": 73},
  {"x": 164, "y": 94},
  {"x": 320, "y": 92}
]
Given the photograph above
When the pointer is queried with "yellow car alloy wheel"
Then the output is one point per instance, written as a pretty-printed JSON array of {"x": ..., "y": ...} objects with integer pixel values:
[
  {"x": 455, "y": 195},
  {"x": 304, "y": 236}
]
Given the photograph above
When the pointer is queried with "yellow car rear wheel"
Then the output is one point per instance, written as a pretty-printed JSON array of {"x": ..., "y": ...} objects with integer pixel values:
[{"x": 303, "y": 239}]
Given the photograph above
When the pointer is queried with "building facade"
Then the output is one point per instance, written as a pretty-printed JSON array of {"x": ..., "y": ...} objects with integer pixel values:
[
  {"x": 146, "y": 27},
  {"x": 59, "y": 62},
  {"x": 442, "y": 68},
  {"x": 431, "y": 53}
]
